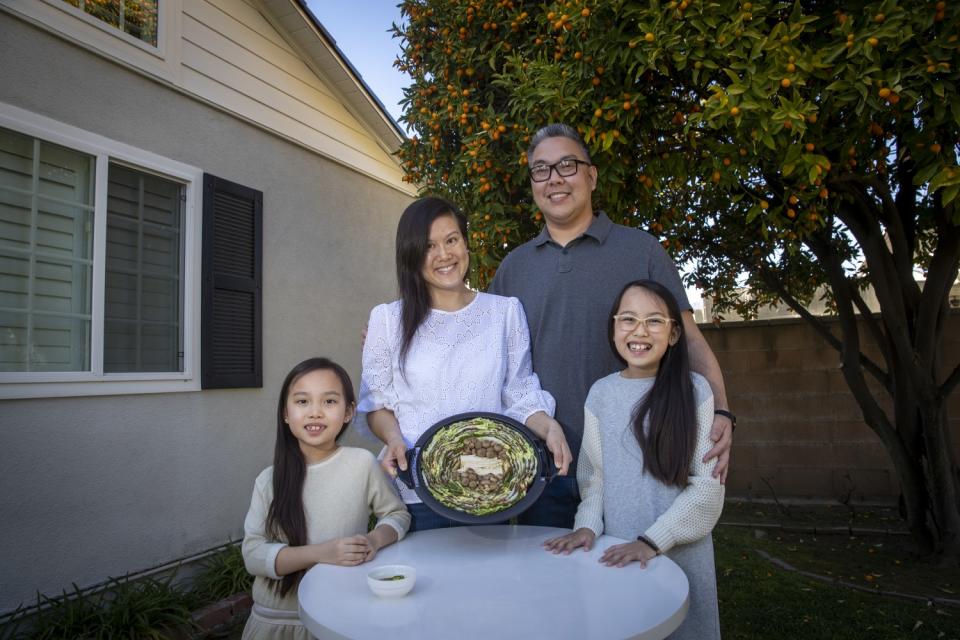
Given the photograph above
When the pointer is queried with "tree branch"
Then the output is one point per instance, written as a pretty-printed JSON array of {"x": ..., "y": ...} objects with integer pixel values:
[
  {"x": 820, "y": 327},
  {"x": 851, "y": 355},
  {"x": 842, "y": 290},
  {"x": 866, "y": 314},
  {"x": 941, "y": 274},
  {"x": 899, "y": 232},
  {"x": 861, "y": 220}
]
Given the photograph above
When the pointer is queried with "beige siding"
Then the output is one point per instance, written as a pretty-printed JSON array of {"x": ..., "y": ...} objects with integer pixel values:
[
  {"x": 259, "y": 60},
  {"x": 234, "y": 57}
]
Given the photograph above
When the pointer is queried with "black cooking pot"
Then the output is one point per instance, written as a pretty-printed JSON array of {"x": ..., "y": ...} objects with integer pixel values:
[{"x": 413, "y": 475}]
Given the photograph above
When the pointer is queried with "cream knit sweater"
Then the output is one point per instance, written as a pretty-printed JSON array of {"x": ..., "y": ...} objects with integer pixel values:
[{"x": 339, "y": 494}]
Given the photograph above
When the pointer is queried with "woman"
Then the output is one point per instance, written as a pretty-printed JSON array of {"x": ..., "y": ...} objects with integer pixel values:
[{"x": 444, "y": 349}]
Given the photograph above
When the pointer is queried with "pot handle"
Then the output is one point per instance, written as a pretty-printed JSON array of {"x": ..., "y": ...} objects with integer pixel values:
[
  {"x": 546, "y": 461},
  {"x": 407, "y": 476}
]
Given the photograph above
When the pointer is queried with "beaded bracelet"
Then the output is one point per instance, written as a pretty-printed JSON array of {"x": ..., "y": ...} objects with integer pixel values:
[
  {"x": 729, "y": 416},
  {"x": 645, "y": 540}
]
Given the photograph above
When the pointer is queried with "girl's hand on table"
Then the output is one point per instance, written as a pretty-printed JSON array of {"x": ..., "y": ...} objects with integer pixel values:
[
  {"x": 346, "y": 552},
  {"x": 371, "y": 551},
  {"x": 620, "y": 555},
  {"x": 381, "y": 536},
  {"x": 582, "y": 537}
]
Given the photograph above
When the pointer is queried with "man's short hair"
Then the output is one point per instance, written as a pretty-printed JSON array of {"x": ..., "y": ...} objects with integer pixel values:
[{"x": 557, "y": 130}]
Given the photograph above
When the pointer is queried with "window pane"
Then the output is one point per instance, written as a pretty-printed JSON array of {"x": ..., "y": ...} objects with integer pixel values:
[
  {"x": 61, "y": 287},
  {"x": 34, "y": 342},
  {"x": 15, "y": 220},
  {"x": 13, "y": 341},
  {"x": 135, "y": 17},
  {"x": 143, "y": 293},
  {"x": 46, "y": 248},
  {"x": 106, "y": 10},
  {"x": 55, "y": 341},
  {"x": 14, "y": 283},
  {"x": 16, "y": 160},
  {"x": 64, "y": 230},
  {"x": 140, "y": 20},
  {"x": 63, "y": 175}
]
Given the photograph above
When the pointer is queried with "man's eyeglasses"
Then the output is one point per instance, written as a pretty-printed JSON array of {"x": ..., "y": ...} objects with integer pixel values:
[
  {"x": 652, "y": 324},
  {"x": 565, "y": 168}
]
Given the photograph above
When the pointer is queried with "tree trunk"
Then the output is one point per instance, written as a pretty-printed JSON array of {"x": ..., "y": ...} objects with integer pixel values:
[
  {"x": 943, "y": 487},
  {"x": 908, "y": 466}
]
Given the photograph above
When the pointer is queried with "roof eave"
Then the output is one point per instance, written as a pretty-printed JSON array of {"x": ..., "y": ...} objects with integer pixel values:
[{"x": 317, "y": 43}]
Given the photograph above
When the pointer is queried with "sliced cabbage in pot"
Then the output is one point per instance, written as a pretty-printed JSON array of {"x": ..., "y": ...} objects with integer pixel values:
[{"x": 441, "y": 460}]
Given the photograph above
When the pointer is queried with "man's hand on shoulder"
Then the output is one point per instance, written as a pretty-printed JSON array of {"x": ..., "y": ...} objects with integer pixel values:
[{"x": 722, "y": 435}]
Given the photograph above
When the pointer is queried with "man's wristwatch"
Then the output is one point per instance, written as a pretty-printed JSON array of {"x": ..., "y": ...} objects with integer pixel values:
[{"x": 728, "y": 415}]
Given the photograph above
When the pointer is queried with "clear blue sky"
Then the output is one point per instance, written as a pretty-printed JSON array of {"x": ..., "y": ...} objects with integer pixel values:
[{"x": 361, "y": 29}]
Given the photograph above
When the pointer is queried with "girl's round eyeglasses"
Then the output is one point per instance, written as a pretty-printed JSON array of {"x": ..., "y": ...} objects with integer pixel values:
[{"x": 652, "y": 324}]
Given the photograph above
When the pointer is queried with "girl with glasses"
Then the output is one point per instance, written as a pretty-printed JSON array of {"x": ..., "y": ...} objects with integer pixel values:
[{"x": 641, "y": 471}]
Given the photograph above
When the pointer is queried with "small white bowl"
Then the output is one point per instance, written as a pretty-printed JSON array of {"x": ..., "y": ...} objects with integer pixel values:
[{"x": 379, "y": 583}]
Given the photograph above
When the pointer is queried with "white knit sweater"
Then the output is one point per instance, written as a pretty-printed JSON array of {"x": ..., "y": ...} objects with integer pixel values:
[{"x": 678, "y": 516}]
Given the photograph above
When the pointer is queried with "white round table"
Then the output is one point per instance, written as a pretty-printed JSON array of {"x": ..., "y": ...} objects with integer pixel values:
[{"x": 493, "y": 583}]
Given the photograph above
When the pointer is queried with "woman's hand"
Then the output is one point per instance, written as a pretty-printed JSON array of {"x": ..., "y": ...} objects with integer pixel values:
[
  {"x": 620, "y": 555},
  {"x": 394, "y": 457},
  {"x": 582, "y": 537},
  {"x": 346, "y": 552},
  {"x": 557, "y": 445},
  {"x": 383, "y": 423},
  {"x": 550, "y": 431}
]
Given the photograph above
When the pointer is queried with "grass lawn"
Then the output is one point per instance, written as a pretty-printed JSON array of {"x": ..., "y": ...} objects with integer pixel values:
[{"x": 759, "y": 599}]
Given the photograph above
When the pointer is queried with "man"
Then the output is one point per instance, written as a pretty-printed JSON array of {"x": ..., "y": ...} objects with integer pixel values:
[{"x": 567, "y": 278}]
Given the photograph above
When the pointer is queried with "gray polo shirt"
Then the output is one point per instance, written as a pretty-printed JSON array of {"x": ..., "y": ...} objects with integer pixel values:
[{"x": 567, "y": 293}]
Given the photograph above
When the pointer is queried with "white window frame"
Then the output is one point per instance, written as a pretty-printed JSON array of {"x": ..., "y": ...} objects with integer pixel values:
[
  {"x": 96, "y": 382},
  {"x": 162, "y": 61}
]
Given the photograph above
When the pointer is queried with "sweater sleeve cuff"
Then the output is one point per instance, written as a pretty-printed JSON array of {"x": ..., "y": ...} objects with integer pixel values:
[
  {"x": 591, "y": 521},
  {"x": 394, "y": 524},
  {"x": 660, "y": 535},
  {"x": 270, "y": 560}
]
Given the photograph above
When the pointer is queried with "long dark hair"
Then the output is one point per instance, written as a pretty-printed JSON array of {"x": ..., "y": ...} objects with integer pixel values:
[
  {"x": 413, "y": 235},
  {"x": 669, "y": 444},
  {"x": 286, "y": 519}
]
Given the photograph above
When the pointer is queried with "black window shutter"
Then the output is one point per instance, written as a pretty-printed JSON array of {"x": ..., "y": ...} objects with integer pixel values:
[{"x": 231, "y": 307}]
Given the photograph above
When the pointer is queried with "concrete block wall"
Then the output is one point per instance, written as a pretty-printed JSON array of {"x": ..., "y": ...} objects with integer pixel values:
[{"x": 800, "y": 433}]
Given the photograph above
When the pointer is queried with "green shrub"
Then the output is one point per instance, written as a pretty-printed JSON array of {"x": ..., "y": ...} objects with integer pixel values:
[
  {"x": 223, "y": 574},
  {"x": 147, "y": 608},
  {"x": 143, "y": 608}
]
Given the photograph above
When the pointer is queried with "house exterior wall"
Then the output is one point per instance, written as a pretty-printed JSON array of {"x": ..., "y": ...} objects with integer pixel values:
[
  {"x": 800, "y": 433},
  {"x": 102, "y": 486},
  {"x": 229, "y": 53}
]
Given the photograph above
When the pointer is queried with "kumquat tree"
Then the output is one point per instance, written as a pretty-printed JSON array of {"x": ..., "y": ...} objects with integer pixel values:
[{"x": 782, "y": 148}]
